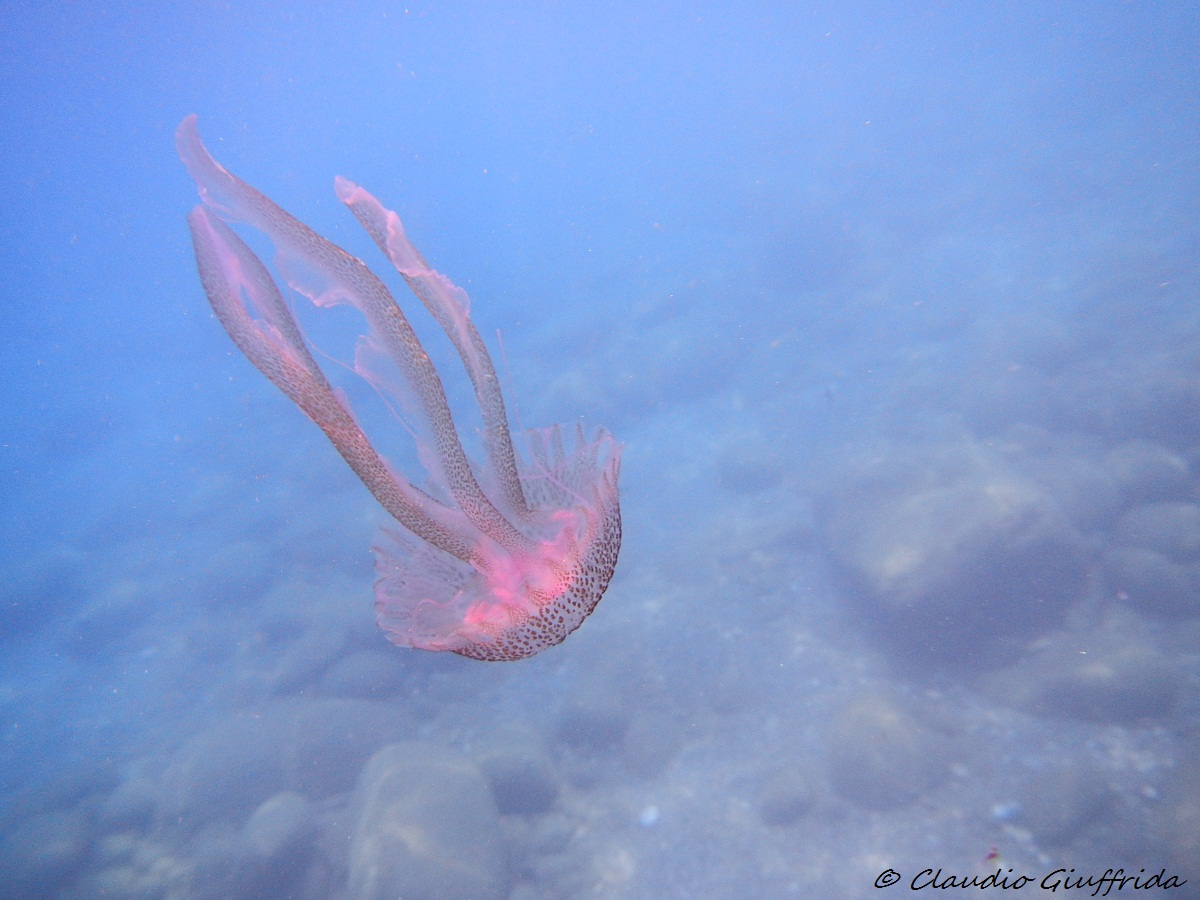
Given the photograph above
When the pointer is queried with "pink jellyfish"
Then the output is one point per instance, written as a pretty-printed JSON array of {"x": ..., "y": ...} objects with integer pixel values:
[{"x": 495, "y": 561}]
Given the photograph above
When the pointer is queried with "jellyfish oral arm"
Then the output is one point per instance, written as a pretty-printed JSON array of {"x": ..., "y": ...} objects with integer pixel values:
[
  {"x": 329, "y": 275},
  {"x": 233, "y": 276},
  {"x": 450, "y": 307}
]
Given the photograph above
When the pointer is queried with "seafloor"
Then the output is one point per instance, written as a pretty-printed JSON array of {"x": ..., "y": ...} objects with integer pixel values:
[{"x": 904, "y": 586}]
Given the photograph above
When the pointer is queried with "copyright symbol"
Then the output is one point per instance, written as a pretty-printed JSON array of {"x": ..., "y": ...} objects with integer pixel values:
[{"x": 887, "y": 878}]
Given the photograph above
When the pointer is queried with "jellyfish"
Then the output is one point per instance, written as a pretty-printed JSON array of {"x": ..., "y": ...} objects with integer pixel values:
[{"x": 496, "y": 559}]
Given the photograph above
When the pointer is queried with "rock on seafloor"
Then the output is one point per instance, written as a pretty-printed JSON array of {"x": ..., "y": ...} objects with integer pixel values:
[
  {"x": 955, "y": 557},
  {"x": 426, "y": 827},
  {"x": 881, "y": 756}
]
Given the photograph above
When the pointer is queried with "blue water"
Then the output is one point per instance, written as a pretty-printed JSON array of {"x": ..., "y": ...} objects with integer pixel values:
[{"x": 893, "y": 307}]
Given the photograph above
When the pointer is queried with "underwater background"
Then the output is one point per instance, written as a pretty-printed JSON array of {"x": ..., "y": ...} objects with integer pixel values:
[{"x": 894, "y": 309}]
